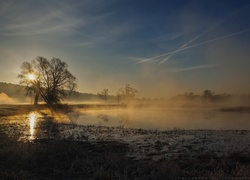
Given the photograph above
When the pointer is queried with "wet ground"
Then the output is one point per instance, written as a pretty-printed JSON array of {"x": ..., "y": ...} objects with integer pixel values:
[
  {"x": 42, "y": 144},
  {"x": 143, "y": 144}
]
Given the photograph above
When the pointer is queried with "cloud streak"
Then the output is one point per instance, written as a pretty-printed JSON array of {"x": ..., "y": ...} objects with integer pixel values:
[
  {"x": 196, "y": 45},
  {"x": 194, "y": 68},
  {"x": 54, "y": 18},
  {"x": 169, "y": 56},
  {"x": 109, "y": 33},
  {"x": 183, "y": 46}
]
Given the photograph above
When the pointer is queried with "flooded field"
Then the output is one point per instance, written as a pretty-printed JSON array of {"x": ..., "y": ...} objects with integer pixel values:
[
  {"x": 164, "y": 119},
  {"x": 147, "y": 134},
  {"x": 43, "y": 123},
  {"x": 150, "y": 132}
]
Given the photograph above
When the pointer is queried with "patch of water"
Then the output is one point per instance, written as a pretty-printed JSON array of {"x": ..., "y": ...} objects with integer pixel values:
[
  {"x": 42, "y": 125},
  {"x": 163, "y": 119}
]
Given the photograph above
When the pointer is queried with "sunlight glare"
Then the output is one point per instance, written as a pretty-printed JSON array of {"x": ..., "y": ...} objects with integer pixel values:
[
  {"x": 32, "y": 119},
  {"x": 31, "y": 77}
]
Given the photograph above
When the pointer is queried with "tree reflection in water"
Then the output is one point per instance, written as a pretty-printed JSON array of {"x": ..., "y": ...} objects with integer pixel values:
[
  {"x": 73, "y": 117},
  {"x": 124, "y": 119},
  {"x": 103, "y": 117}
]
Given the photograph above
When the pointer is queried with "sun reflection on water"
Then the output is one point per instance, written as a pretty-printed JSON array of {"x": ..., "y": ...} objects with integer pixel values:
[{"x": 32, "y": 120}]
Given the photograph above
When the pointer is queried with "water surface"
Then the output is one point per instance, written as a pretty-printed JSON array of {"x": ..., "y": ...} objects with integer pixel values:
[
  {"x": 36, "y": 125},
  {"x": 163, "y": 119}
]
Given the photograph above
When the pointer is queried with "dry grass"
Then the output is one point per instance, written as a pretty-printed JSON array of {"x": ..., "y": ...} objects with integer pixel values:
[
  {"x": 67, "y": 159},
  {"x": 74, "y": 160}
]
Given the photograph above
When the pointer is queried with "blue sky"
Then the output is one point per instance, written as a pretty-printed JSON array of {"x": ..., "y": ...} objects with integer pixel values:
[{"x": 159, "y": 47}]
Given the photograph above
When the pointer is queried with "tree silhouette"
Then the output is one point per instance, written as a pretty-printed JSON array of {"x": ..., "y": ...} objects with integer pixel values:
[
  {"x": 32, "y": 85},
  {"x": 208, "y": 94},
  {"x": 119, "y": 94},
  {"x": 104, "y": 94},
  {"x": 49, "y": 79},
  {"x": 128, "y": 93}
]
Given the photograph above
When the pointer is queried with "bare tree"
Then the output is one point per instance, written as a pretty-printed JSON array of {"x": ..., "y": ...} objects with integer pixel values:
[
  {"x": 49, "y": 79},
  {"x": 104, "y": 94},
  {"x": 29, "y": 78},
  {"x": 208, "y": 94},
  {"x": 119, "y": 94},
  {"x": 127, "y": 93}
]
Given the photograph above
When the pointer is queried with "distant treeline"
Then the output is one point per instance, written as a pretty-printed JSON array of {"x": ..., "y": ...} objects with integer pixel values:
[
  {"x": 210, "y": 96},
  {"x": 206, "y": 96},
  {"x": 19, "y": 94},
  {"x": 77, "y": 96}
]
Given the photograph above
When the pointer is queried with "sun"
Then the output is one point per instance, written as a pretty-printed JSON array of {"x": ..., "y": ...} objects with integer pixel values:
[{"x": 31, "y": 77}]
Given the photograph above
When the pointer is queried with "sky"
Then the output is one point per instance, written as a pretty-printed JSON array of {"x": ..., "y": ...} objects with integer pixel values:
[{"x": 161, "y": 47}]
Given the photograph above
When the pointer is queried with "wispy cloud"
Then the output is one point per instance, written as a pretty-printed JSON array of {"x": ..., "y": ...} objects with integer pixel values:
[
  {"x": 40, "y": 28},
  {"x": 168, "y": 37},
  {"x": 165, "y": 59},
  {"x": 140, "y": 60},
  {"x": 80, "y": 24},
  {"x": 194, "y": 68},
  {"x": 185, "y": 45},
  {"x": 195, "y": 45},
  {"x": 137, "y": 59},
  {"x": 36, "y": 22},
  {"x": 105, "y": 33},
  {"x": 57, "y": 19}
]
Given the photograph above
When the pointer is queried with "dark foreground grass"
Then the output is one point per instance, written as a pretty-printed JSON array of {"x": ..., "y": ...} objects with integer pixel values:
[{"x": 65, "y": 159}]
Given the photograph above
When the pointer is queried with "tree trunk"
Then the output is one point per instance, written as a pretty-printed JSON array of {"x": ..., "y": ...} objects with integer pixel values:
[{"x": 36, "y": 99}]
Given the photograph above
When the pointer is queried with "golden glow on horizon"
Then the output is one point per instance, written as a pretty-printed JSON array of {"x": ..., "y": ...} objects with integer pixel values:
[{"x": 31, "y": 77}]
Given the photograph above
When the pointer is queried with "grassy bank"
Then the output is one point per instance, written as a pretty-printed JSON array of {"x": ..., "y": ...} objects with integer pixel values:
[
  {"x": 69, "y": 159},
  {"x": 10, "y": 110}
]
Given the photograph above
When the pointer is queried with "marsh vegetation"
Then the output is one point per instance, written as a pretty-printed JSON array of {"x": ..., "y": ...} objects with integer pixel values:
[{"x": 102, "y": 141}]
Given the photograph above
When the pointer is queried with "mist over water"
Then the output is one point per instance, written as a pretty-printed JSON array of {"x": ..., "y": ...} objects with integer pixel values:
[
  {"x": 46, "y": 124},
  {"x": 165, "y": 118}
]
